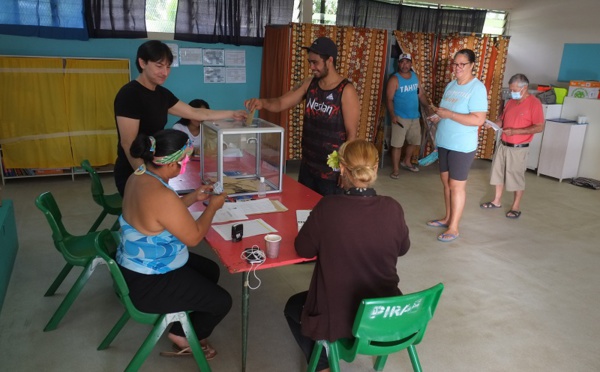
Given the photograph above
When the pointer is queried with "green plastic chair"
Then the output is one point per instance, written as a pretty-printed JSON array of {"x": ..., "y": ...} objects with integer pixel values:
[
  {"x": 384, "y": 326},
  {"x": 76, "y": 250},
  {"x": 106, "y": 243},
  {"x": 111, "y": 204}
]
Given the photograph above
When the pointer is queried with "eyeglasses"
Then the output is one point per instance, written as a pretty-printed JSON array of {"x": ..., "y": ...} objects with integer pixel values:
[{"x": 461, "y": 65}]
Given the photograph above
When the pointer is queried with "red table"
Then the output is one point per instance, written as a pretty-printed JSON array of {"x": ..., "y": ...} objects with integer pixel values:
[{"x": 294, "y": 196}]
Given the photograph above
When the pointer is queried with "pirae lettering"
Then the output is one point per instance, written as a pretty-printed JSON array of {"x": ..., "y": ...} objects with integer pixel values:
[
  {"x": 392, "y": 311},
  {"x": 317, "y": 106}
]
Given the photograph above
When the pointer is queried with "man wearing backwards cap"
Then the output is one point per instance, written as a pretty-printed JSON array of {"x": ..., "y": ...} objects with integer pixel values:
[
  {"x": 404, "y": 92},
  {"x": 331, "y": 115}
]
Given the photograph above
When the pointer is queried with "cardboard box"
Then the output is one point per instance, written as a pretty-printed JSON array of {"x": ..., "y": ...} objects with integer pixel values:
[{"x": 584, "y": 89}]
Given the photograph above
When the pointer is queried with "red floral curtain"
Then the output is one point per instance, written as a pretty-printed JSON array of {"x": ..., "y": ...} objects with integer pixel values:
[
  {"x": 433, "y": 56},
  {"x": 362, "y": 58}
]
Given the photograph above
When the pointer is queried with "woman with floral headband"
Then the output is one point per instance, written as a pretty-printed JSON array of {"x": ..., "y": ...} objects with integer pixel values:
[
  {"x": 357, "y": 238},
  {"x": 156, "y": 229}
]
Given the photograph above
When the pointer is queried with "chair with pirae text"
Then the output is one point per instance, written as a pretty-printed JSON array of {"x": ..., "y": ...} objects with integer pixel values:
[{"x": 384, "y": 326}]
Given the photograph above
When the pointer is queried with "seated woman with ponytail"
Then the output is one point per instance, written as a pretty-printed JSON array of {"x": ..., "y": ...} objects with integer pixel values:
[
  {"x": 357, "y": 238},
  {"x": 156, "y": 231}
]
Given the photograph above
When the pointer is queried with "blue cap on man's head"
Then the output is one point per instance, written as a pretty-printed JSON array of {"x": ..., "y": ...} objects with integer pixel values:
[{"x": 323, "y": 45}]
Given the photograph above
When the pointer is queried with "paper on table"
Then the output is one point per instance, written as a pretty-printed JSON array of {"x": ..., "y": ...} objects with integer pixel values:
[
  {"x": 493, "y": 125},
  {"x": 225, "y": 214},
  {"x": 301, "y": 216},
  {"x": 257, "y": 206},
  {"x": 251, "y": 228}
]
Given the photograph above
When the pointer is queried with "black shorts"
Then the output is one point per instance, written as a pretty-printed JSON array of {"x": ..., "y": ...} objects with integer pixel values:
[{"x": 456, "y": 163}]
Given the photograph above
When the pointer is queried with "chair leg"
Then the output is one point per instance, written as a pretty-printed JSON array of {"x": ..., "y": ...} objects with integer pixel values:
[
  {"x": 114, "y": 331},
  {"x": 333, "y": 356},
  {"x": 414, "y": 359},
  {"x": 138, "y": 359},
  {"x": 192, "y": 338},
  {"x": 59, "y": 279},
  {"x": 98, "y": 221},
  {"x": 380, "y": 362},
  {"x": 71, "y": 296},
  {"x": 314, "y": 357}
]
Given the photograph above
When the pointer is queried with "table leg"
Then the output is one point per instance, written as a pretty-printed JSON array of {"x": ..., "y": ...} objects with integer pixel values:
[{"x": 245, "y": 313}]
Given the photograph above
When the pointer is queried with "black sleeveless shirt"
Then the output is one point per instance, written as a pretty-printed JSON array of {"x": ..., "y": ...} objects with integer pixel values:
[{"x": 324, "y": 129}]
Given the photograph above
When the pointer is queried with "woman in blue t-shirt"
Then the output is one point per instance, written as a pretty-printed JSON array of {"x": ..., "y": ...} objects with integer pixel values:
[{"x": 462, "y": 111}]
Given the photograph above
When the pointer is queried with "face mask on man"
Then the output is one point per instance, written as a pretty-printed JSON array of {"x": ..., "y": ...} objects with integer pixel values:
[{"x": 516, "y": 95}]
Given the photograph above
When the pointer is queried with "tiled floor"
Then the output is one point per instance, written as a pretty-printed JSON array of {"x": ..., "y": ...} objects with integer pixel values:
[{"x": 520, "y": 294}]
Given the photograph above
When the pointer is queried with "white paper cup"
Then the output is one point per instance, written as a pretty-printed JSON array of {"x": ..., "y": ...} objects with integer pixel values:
[{"x": 272, "y": 242}]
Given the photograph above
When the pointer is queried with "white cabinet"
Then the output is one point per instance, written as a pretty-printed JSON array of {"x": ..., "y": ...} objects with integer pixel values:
[
  {"x": 535, "y": 146},
  {"x": 561, "y": 149}
]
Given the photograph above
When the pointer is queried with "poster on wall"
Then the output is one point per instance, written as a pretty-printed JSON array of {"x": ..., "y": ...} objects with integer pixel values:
[
  {"x": 214, "y": 75},
  {"x": 175, "y": 50},
  {"x": 190, "y": 56},
  {"x": 214, "y": 57},
  {"x": 235, "y": 58},
  {"x": 235, "y": 75}
]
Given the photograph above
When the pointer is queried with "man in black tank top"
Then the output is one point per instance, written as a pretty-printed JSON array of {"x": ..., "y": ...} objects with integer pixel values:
[{"x": 331, "y": 115}]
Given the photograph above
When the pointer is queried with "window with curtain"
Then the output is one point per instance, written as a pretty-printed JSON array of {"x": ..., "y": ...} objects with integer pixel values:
[
  {"x": 239, "y": 22},
  {"x": 56, "y": 19},
  {"x": 377, "y": 14}
]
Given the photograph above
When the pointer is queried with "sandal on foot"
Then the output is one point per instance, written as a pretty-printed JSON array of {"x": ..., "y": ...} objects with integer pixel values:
[
  {"x": 178, "y": 352},
  {"x": 489, "y": 205},
  {"x": 209, "y": 352},
  {"x": 513, "y": 214},
  {"x": 394, "y": 176},
  {"x": 411, "y": 167},
  {"x": 447, "y": 237},
  {"x": 436, "y": 223}
]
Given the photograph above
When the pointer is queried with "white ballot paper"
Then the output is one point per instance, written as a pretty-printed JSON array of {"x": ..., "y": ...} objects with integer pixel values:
[
  {"x": 256, "y": 206},
  {"x": 493, "y": 125},
  {"x": 225, "y": 214},
  {"x": 251, "y": 228},
  {"x": 301, "y": 216}
]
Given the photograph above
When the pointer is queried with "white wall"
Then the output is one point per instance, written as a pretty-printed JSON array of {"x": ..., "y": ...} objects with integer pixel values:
[{"x": 540, "y": 28}]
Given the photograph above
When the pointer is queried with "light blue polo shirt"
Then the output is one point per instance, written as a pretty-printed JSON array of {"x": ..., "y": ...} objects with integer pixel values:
[{"x": 462, "y": 99}]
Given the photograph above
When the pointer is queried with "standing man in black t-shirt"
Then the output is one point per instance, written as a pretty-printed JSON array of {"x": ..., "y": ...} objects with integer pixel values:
[
  {"x": 331, "y": 115},
  {"x": 143, "y": 105}
]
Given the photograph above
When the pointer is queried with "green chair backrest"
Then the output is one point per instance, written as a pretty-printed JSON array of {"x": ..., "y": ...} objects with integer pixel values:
[
  {"x": 97, "y": 188},
  {"x": 385, "y": 325},
  {"x": 47, "y": 204},
  {"x": 107, "y": 242}
]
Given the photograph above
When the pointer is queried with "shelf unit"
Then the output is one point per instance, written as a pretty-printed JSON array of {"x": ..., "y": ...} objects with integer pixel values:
[{"x": 19, "y": 173}]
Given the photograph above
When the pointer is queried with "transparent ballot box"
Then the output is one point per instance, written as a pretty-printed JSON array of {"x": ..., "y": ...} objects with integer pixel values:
[{"x": 238, "y": 155}]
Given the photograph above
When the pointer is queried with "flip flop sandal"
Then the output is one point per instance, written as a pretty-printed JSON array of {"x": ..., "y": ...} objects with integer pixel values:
[
  {"x": 436, "y": 223},
  {"x": 489, "y": 205},
  {"x": 447, "y": 237},
  {"x": 209, "y": 352},
  {"x": 513, "y": 214},
  {"x": 179, "y": 352},
  {"x": 411, "y": 168},
  {"x": 394, "y": 176}
]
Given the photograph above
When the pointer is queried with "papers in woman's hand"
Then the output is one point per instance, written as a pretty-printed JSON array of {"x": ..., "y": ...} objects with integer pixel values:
[{"x": 493, "y": 125}]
